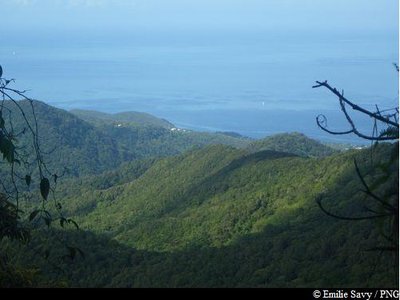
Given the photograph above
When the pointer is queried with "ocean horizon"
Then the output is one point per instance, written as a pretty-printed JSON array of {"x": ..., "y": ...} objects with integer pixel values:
[{"x": 253, "y": 84}]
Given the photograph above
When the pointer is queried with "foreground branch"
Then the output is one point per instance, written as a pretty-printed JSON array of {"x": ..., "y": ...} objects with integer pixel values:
[{"x": 341, "y": 97}]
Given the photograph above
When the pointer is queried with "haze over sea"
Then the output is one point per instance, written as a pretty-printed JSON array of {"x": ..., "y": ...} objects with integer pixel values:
[{"x": 253, "y": 81}]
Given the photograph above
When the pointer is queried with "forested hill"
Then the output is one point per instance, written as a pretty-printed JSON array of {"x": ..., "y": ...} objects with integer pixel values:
[
  {"x": 122, "y": 119},
  {"x": 68, "y": 141},
  {"x": 180, "y": 209},
  {"x": 89, "y": 142},
  {"x": 295, "y": 142},
  {"x": 224, "y": 217},
  {"x": 100, "y": 144},
  {"x": 148, "y": 136}
]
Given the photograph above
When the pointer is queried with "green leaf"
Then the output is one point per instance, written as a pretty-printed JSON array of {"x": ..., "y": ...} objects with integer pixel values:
[
  {"x": 7, "y": 148},
  {"x": 28, "y": 180},
  {"x": 44, "y": 188},
  {"x": 33, "y": 215}
]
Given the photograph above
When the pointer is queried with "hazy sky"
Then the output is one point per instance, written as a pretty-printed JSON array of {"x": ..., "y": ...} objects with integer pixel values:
[{"x": 286, "y": 15}]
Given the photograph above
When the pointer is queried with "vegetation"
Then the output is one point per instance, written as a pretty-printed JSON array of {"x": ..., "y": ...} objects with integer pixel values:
[
  {"x": 147, "y": 136},
  {"x": 219, "y": 217},
  {"x": 22, "y": 164},
  {"x": 123, "y": 119},
  {"x": 91, "y": 148},
  {"x": 69, "y": 142},
  {"x": 384, "y": 208},
  {"x": 158, "y": 207},
  {"x": 296, "y": 143}
]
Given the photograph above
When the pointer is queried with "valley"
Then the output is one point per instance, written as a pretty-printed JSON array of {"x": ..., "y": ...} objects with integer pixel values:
[{"x": 158, "y": 207}]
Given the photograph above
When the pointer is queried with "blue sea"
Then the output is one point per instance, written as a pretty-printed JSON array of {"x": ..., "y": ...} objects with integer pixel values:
[{"x": 256, "y": 84}]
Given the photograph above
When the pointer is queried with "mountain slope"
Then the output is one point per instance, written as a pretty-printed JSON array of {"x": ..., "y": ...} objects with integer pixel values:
[
  {"x": 67, "y": 141},
  {"x": 134, "y": 118},
  {"x": 148, "y": 136},
  {"x": 295, "y": 143},
  {"x": 222, "y": 217},
  {"x": 100, "y": 144},
  {"x": 214, "y": 217},
  {"x": 197, "y": 192},
  {"x": 96, "y": 142}
]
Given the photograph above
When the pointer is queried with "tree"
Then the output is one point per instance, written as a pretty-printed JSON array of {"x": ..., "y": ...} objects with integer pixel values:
[
  {"x": 21, "y": 162},
  {"x": 385, "y": 205}
]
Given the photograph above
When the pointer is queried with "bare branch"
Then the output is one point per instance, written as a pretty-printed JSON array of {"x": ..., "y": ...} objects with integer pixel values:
[
  {"x": 327, "y": 212},
  {"x": 369, "y": 192},
  {"x": 382, "y": 209},
  {"x": 354, "y": 106},
  {"x": 354, "y": 129},
  {"x": 322, "y": 123}
]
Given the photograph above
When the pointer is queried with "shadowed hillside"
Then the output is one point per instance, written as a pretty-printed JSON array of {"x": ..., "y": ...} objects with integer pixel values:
[{"x": 219, "y": 217}]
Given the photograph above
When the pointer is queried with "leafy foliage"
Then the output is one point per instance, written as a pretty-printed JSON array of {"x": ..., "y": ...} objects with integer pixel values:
[
  {"x": 153, "y": 137},
  {"x": 218, "y": 216},
  {"x": 295, "y": 143},
  {"x": 124, "y": 118},
  {"x": 83, "y": 149},
  {"x": 20, "y": 145},
  {"x": 223, "y": 217},
  {"x": 383, "y": 207}
]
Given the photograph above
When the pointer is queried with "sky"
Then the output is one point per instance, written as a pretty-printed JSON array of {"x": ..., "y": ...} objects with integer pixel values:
[
  {"x": 373, "y": 16},
  {"x": 128, "y": 50}
]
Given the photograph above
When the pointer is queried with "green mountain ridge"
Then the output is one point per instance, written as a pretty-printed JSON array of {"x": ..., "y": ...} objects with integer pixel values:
[
  {"x": 92, "y": 147},
  {"x": 198, "y": 178},
  {"x": 187, "y": 209},
  {"x": 68, "y": 141},
  {"x": 136, "y": 118},
  {"x": 155, "y": 138},
  {"x": 89, "y": 142},
  {"x": 223, "y": 217},
  {"x": 296, "y": 143}
]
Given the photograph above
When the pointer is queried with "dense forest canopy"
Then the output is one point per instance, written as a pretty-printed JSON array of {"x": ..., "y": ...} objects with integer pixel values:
[{"x": 235, "y": 215}]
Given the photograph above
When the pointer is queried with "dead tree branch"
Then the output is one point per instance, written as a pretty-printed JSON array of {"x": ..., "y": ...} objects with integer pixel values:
[{"x": 341, "y": 97}]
